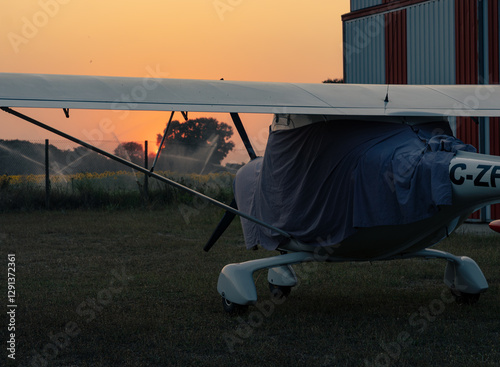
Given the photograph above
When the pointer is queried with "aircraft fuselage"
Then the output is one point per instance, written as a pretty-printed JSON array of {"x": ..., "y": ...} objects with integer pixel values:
[{"x": 475, "y": 180}]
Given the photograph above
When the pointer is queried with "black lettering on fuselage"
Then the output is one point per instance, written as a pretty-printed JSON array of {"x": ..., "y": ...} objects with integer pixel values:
[
  {"x": 477, "y": 181},
  {"x": 458, "y": 175},
  {"x": 457, "y": 181},
  {"x": 494, "y": 175}
]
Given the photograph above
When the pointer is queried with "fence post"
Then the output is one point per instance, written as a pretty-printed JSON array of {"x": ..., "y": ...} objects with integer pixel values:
[
  {"x": 146, "y": 177},
  {"x": 47, "y": 175}
]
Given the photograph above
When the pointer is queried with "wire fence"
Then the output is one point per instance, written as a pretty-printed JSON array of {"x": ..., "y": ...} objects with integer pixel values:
[{"x": 57, "y": 173}]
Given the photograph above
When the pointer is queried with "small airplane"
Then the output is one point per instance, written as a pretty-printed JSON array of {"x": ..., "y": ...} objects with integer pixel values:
[{"x": 350, "y": 172}]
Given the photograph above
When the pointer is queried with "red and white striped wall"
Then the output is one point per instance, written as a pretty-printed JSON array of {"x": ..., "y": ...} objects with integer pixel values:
[{"x": 428, "y": 42}]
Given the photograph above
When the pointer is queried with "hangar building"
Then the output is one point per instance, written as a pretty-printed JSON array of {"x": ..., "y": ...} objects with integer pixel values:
[{"x": 428, "y": 42}]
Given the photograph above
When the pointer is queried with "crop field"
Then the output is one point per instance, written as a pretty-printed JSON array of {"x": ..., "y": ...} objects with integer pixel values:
[
  {"x": 107, "y": 190},
  {"x": 134, "y": 288}
]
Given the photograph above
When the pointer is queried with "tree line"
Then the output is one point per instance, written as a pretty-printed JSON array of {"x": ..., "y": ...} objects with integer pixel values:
[{"x": 197, "y": 145}]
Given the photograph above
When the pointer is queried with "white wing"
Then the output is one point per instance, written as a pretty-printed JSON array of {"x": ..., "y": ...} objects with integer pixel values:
[{"x": 95, "y": 92}]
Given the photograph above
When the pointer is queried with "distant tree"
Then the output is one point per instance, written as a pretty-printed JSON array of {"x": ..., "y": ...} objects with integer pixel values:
[
  {"x": 336, "y": 80},
  {"x": 200, "y": 135},
  {"x": 131, "y": 150},
  {"x": 21, "y": 157}
]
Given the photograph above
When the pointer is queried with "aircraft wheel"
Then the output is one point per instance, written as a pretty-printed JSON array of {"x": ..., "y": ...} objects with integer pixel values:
[
  {"x": 279, "y": 291},
  {"x": 465, "y": 298},
  {"x": 233, "y": 308}
]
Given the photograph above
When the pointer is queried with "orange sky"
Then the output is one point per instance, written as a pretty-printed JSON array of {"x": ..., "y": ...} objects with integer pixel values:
[{"x": 254, "y": 40}]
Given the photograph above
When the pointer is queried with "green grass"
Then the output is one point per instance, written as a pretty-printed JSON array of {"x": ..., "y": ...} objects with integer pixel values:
[{"x": 134, "y": 288}]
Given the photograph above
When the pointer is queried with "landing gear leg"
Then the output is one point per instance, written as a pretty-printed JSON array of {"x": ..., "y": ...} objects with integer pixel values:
[
  {"x": 462, "y": 275},
  {"x": 465, "y": 280},
  {"x": 236, "y": 285},
  {"x": 281, "y": 280}
]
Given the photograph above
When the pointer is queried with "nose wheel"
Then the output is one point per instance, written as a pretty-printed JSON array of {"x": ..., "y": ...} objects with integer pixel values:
[
  {"x": 279, "y": 291},
  {"x": 233, "y": 308}
]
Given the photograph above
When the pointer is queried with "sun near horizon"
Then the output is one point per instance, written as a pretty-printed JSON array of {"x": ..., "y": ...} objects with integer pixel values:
[{"x": 279, "y": 41}]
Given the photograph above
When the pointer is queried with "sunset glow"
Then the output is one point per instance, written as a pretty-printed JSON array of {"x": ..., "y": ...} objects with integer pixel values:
[{"x": 280, "y": 41}]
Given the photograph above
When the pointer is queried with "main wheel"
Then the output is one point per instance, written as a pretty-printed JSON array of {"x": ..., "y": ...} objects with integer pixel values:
[
  {"x": 465, "y": 298},
  {"x": 279, "y": 291},
  {"x": 233, "y": 308}
]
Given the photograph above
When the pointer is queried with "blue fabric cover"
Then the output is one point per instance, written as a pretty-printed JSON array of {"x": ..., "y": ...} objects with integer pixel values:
[{"x": 322, "y": 181}]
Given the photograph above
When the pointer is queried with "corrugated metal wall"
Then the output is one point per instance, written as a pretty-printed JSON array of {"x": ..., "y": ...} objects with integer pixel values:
[
  {"x": 361, "y": 4},
  {"x": 396, "y": 47},
  {"x": 431, "y": 43},
  {"x": 494, "y": 78},
  {"x": 466, "y": 63},
  {"x": 466, "y": 50},
  {"x": 466, "y": 60},
  {"x": 493, "y": 42},
  {"x": 364, "y": 50},
  {"x": 494, "y": 68}
]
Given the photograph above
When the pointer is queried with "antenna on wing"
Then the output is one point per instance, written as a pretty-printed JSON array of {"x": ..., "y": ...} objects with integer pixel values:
[{"x": 386, "y": 100}]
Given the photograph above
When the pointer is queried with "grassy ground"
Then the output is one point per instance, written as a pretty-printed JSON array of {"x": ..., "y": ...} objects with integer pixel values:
[{"x": 134, "y": 288}]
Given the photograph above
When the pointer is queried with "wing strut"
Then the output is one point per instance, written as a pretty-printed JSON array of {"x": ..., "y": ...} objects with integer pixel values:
[
  {"x": 243, "y": 134},
  {"x": 221, "y": 227},
  {"x": 162, "y": 141},
  {"x": 143, "y": 170},
  {"x": 229, "y": 215}
]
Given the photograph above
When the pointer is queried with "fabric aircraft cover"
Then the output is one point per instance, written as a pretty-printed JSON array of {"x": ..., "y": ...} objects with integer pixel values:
[{"x": 322, "y": 181}]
